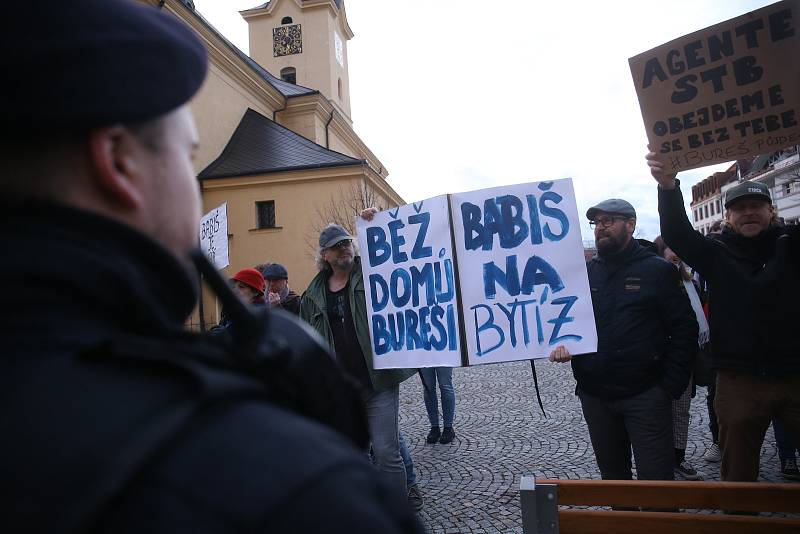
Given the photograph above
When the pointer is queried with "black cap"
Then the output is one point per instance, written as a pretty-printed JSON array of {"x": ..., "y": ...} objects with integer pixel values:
[
  {"x": 612, "y": 205},
  {"x": 275, "y": 271},
  {"x": 747, "y": 189},
  {"x": 85, "y": 63},
  {"x": 332, "y": 234}
]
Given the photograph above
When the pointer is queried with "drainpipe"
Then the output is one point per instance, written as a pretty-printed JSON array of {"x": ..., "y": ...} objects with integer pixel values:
[{"x": 327, "y": 137}]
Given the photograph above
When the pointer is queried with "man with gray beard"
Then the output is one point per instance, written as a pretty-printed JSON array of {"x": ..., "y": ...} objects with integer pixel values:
[{"x": 335, "y": 306}]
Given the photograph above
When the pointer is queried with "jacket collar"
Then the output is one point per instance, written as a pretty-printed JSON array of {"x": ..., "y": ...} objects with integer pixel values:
[
  {"x": 71, "y": 269},
  {"x": 632, "y": 251}
]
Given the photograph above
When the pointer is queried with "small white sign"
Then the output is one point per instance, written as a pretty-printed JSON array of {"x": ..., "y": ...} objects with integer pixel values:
[{"x": 214, "y": 236}]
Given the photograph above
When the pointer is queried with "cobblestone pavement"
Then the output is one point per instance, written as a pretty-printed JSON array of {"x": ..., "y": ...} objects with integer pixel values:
[{"x": 472, "y": 484}]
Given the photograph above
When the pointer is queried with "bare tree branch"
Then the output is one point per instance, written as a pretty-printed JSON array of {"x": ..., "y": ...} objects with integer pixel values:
[{"x": 342, "y": 209}]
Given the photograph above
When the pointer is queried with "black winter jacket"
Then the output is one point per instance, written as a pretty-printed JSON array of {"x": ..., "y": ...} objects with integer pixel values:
[
  {"x": 646, "y": 329},
  {"x": 114, "y": 419},
  {"x": 753, "y": 289}
]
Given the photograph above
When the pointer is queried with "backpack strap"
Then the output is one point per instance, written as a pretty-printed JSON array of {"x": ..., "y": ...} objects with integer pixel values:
[{"x": 213, "y": 387}]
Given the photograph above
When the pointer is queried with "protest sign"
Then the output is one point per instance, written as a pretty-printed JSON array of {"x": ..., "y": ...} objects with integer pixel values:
[
  {"x": 481, "y": 277},
  {"x": 214, "y": 236},
  {"x": 409, "y": 279},
  {"x": 524, "y": 288},
  {"x": 730, "y": 91}
]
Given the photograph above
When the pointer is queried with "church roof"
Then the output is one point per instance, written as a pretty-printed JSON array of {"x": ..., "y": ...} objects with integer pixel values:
[
  {"x": 287, "y": 89},
  {"x": 265, "y": 4},
  {"x": 260, "y": 146}
]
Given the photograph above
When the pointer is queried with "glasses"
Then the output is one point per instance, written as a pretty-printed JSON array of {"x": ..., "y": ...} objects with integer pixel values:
[
  {"x": 341, "y": 244},
  {"x": 606, "y": 222}
]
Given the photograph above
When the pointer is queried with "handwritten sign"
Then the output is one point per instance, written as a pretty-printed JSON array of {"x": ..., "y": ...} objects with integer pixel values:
[
  {"x": 409, "y": 279},
  {"x": 214, "y": 236},
  {"x": 727, "y": 92},
  {"x": 524, "y": 287},
  {"x": 481, "y": 277}
]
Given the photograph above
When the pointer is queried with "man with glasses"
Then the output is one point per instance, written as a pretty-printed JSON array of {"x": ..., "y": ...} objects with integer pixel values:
[
  {"x": 334, "y": 304},
  {"x": 646, "y": 334},
  {"x": 752, "y": 268}
]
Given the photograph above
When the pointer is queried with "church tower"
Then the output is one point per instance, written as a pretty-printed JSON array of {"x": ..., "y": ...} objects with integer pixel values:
[{"x": 304, "y": 42}]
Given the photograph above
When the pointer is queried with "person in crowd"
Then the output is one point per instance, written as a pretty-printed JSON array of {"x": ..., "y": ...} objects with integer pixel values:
[
  {"x": 334, "y": 305},
  {"x": 249, "y": 286},
  {"x": 752, "y": 270},
  {"x": 115, "y": 418},
  {"x": 787, "y": 451},
  {"x": 712, "y": 454},
  {"x": 444, "y": 376},
  {"x": 647, "y": 335},
  {"x": 680, "y": 407},
  {"x": 279, "y": 294}
]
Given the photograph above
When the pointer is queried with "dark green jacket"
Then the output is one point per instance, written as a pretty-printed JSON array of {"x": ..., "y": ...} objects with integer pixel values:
[{"x": 313, "y": 310}]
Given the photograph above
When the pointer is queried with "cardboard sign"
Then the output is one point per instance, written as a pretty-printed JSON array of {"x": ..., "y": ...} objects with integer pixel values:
[
  {"x": 727, "y": 92},
  {"x": 481, "y": 277},
  {"x": 214, "y": 236}
]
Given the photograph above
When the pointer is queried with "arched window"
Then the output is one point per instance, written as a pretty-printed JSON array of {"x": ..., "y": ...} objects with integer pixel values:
[
  {"x": 289, "y": 74},
  {"x": 286, "y": 20},
  {"x": 340, "y": 88}
]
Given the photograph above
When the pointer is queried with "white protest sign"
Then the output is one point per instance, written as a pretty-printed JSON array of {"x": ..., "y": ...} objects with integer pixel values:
[
  {"x": 214, "y": 236},
  {"x": 408, "y": 269},
  {"x": 524, "y": 288}
]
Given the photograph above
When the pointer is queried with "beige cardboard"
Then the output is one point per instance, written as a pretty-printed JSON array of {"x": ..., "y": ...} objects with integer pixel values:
[{"x": 749, "y": 103}]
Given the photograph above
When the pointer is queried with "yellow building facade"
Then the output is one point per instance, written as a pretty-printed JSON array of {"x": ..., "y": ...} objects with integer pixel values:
[{"x": 282, "y": 155}]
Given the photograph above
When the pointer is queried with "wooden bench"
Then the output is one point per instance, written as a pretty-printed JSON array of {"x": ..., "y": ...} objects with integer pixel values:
[{"x": 540, "y": 501}]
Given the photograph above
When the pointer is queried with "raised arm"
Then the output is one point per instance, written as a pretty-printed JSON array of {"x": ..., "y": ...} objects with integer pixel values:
[{"x": 677, "y": 231}]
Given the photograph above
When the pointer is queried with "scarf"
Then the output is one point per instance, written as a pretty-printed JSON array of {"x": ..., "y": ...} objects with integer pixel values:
[{"x": 702, "y": 324}]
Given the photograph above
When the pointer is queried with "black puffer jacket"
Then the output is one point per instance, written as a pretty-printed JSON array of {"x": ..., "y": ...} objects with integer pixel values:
[
  {"x": 114, "y": 419},
  {"x": 753, "y": 289},
  {"x": 646, "y": 329}
]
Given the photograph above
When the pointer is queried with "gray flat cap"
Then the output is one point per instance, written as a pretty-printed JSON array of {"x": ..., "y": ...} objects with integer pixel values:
[
  {"x": 612, "y": 205},
  {"x": 747, "y": 189},
  {"x": 332, "y": 234}
]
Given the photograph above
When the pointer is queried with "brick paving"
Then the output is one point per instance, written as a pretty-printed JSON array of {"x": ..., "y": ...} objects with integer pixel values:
[{"x": 472, "y": 484}]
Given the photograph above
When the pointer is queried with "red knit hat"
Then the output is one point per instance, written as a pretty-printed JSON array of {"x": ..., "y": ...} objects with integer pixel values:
[{"x": 252, "y": 278}]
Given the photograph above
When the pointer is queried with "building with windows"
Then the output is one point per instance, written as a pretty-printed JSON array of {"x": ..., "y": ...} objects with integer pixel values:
[
  {"x": 277, "y": 138},
  {"x": 780, "y": 171},
  {"x": 706, "y": 206}
]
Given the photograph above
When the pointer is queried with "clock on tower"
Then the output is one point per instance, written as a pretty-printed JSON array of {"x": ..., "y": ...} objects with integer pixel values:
[{"x": 287, "y": 40}]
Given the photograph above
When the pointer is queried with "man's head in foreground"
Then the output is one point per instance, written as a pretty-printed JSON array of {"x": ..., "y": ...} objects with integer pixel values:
[{"x": 95, "y": 116}]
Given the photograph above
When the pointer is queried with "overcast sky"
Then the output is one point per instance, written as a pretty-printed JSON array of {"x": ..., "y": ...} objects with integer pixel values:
[{"x": 460, "y": 95}]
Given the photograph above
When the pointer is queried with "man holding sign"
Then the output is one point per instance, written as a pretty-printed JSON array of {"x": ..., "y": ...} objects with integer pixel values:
[
  {"x": 334, "y": 304},
  {"x": 646, "y": 336},
  {"x": 753, "y": 274}
]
